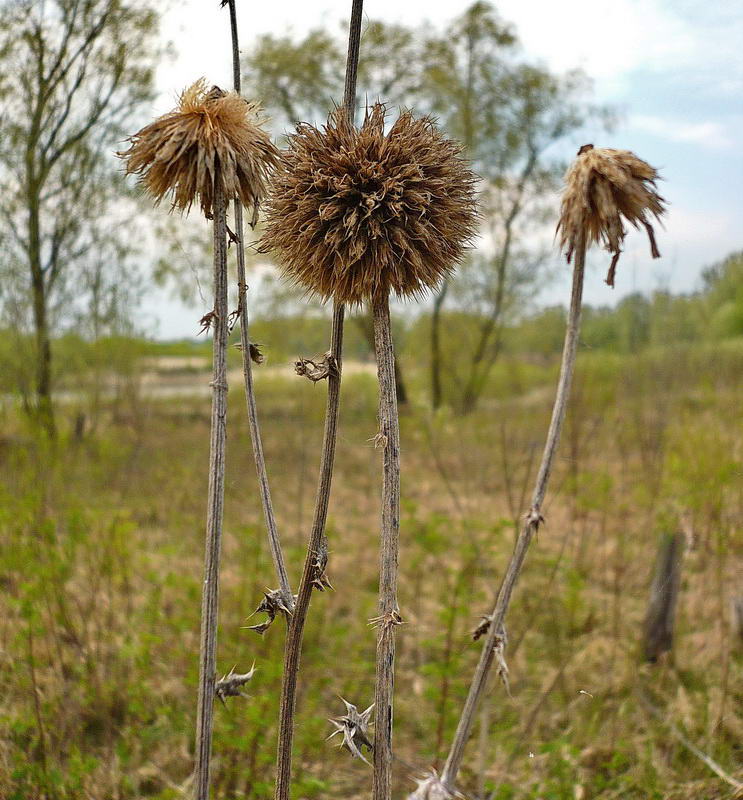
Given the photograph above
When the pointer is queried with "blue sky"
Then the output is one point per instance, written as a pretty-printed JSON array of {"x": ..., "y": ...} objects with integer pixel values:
[{"x": 672, "y": 68}]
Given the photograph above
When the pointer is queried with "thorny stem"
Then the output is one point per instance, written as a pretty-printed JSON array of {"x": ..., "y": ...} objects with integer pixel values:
[
  {"x": 215, "y": 507},
  {"x": 255, "y": 433},
  {"x": 531, "y": 524},
  {"x": 389, "y": 615},
  {"x": 293, "y": 645}
]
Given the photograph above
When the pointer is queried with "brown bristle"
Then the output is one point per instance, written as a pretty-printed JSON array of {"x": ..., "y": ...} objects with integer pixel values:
[
  {"x": 354, "y": 212},
  {"x": 603, "y": 188},
  {"x": 213, "y": 138}
]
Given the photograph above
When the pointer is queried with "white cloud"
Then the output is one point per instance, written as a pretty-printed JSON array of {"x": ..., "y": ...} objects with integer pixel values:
[
  {"x": 708, "y": 134},
  {"x": 605, "y": 37},
  {"x": 608, "y": 38}
]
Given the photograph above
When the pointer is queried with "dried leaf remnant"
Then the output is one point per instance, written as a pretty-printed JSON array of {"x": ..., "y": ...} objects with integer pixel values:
[{"x": 354, "y": 728}]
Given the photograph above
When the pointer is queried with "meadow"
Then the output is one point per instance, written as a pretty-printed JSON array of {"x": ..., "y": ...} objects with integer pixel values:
[{"x": 101, "y": 570}]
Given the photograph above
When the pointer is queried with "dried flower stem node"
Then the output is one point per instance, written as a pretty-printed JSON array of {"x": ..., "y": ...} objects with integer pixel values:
[
  {"x": 604, "y": 188},
  {"x": 213, "y": 139},
  {"x": 357, "y": 213}
]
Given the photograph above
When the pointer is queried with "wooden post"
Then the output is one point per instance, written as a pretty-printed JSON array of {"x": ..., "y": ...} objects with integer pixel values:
[{"x": 659, "y": 620}]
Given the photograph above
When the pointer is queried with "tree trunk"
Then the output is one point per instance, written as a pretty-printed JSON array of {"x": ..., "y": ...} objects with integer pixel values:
[
  {"x": 737, "y": 611},
  {"x": 437, "y": 395},
  {"x": 658, "y": 634},
  {"x": 44, "y": 408}
]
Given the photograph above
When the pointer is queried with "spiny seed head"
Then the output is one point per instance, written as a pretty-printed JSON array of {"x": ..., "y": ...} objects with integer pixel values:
[
  {"x": 213, "y": 139},
  {"x": 353, "y": 212},
  {"x": 604, "y": 188}
]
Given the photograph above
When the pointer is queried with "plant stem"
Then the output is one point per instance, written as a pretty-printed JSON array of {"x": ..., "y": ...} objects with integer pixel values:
[
  {"x": 389, "y": 616},
  {"x": 531, "y": 524},
  {"x": 255, "y": 433},
  {"x": 215, "y": 508},
  {"x": 293, "y": 644}
]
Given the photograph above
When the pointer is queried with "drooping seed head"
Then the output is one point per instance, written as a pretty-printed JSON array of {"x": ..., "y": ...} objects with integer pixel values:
[
  {"x": 354, "y": 212},
  {"x": 213, "y": 139},
  {"x": 603, "y": 189}
]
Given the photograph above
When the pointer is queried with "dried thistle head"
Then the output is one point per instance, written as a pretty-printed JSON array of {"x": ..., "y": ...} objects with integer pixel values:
[
  {"x": 213, "y": 139},
  {"x": 603, "y": 189},
  {"x": 353, "y": 212}
]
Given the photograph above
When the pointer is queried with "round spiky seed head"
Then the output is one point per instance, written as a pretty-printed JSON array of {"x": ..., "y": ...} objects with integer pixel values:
[
  {"x": 604, "y": 188},
  {"x": 213, "y": 139},
  {"x": 353, "y": 213}
]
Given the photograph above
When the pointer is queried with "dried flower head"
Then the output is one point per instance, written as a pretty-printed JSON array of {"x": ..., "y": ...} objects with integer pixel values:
[
  {"x": 604, "y": 187},
  {"x": 213, "y": 139},
  {"x": 354, "y": 212}
]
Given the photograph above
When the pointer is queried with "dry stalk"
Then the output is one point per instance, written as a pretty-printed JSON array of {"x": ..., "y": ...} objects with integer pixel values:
[
  {"x": 355, "y": 214},
  {"x": 604, "y": 188},
  {"x": 215, "y": 507},
  {"x": 317, "y": 542},
  {"x": 211, "y": 147},
  {"x": 495, "y": 630},
  {"x": 242, "y": 308},
  {"x": 389, "y": 614}
]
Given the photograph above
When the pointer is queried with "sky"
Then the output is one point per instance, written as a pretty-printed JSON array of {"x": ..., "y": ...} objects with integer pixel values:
[{"x": 672, "y": 69}]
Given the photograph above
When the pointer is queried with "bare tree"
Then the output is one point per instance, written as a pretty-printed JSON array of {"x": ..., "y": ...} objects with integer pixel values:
[
  {"x": 73, "y": 71},
  {"x": 506, "y": 112}
]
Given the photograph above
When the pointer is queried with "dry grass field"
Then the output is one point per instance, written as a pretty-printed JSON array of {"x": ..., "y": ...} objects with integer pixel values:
[{"x": 100, "y": 568}]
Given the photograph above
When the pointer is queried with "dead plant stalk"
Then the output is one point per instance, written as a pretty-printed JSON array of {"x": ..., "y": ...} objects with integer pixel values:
[
  {"x": 211, "y": 147},
  {"x": 215, "y": 507},
  {"x": 242, "y": 307},
  {"x": 293, "y": 644},
  {"x": 604, "y": 189},
  {"x": 495, "y": 632},
  {"x": 389, "y": 615}
]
